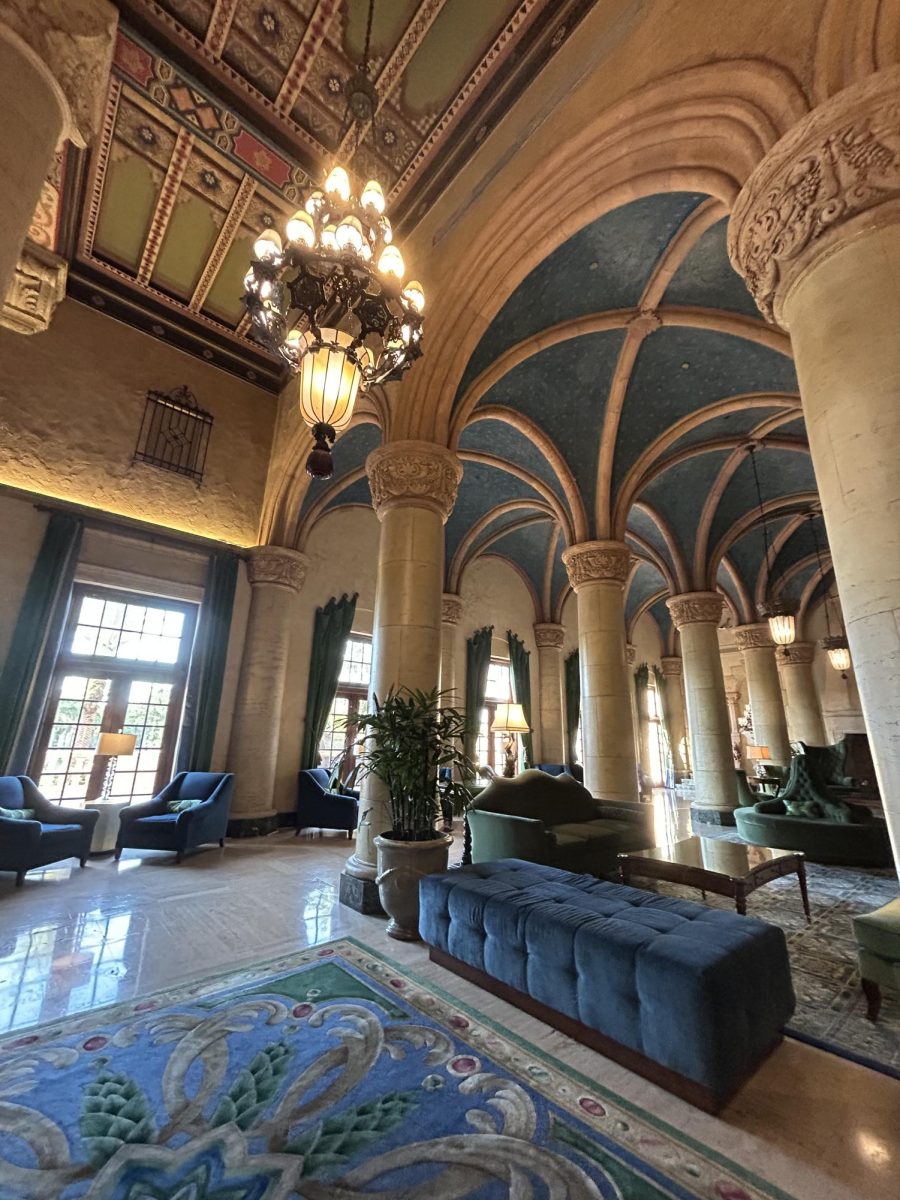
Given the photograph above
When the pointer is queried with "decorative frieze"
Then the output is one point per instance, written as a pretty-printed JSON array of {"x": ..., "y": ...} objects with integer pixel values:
[
  {"x": 597, "y": 562},
  {"x": 696, "y": 608},
  {"x": 797, "y": 654},
  {"x": 278, "y": 566},
  {"x": 753, "y": 637},
  {"x": 672, "y": 666},
  {"x": 413, "y": 474},
  {"x": 816, "y": 187},
  {"x": 451, "y": 608},
  {"x": 38, "y": 285},
  {"x": 547, "y": 635}
]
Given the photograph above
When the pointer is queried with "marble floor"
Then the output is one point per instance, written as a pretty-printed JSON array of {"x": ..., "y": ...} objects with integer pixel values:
[{"x": 819, "y": 1127}]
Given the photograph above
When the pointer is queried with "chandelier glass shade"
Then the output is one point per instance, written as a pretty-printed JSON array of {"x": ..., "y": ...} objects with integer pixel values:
[
  {"x": 781, "y": 620},
  {"x": 838, "y": 651},
  {"x": 330, "y": 300}
]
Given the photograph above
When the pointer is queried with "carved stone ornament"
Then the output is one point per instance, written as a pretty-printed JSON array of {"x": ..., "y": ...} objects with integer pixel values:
[
  {"x": 451, "y": 608},
  {"x": 797, "y": 654},
  {"x": 630, "y": 654},
  {"x": 817, "y": 187},
  {"x": 753, "y": 637},
  {"x": 74, "y": 39},
  {"x": 38, "y": 285},
  {"x": 413, "y": 474},
  {"x": 592, "y": 562},
  {"x": 672, "y": 666},
  {"x": 277, "y": 565},
  {"x": 548, "y": 635},
  {"x": 696, "y": 608}
]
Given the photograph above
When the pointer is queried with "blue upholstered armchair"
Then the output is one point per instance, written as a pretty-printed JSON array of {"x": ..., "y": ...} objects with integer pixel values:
[
  {"x": 53, "y": 833},
  {"x": 319, "y": 808},
  {"x": 154, "y": 826}
]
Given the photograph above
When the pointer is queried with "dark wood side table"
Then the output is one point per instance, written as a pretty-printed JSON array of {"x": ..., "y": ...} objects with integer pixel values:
[{"x": 715, "y": 865}]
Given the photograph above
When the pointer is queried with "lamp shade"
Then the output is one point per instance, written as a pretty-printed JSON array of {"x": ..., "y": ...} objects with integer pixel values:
[
  {"x": 116, "y": 745},
  {"x": 509, "y": 718},
  {"x": 758, "y": 752},
  {"x": 330, "y": 379},
  {"x": 782, "y": 628},
  {"x": 838, "y": 651}
]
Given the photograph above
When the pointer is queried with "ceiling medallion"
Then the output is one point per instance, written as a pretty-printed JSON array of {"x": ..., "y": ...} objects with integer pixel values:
[{"x": 329, "y": 297}]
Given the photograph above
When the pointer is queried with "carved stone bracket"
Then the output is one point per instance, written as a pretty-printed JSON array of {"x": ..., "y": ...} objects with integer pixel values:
[
  {"x": 451, "y": 608},
  {"x": 672, "y": 666},
  {"x": 630, "y": 654},
  {"x": 696, "y": 608},
  {"x": 817, "y": 187},
  {"x": 278, "y": 566},
  {"x": 413, "y": 474},
  {"x": 796, "y": 654},
  {"x": 753, "y": 637},
  {"x": 36, "y": 288},
  {"x": 547, "y": 635},
  {"x": 593, "y": 562}
]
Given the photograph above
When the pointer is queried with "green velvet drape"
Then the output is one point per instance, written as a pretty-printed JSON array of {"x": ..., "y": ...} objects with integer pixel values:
[
  {"x": 520, "y": 672},
  {"x": 641, "y": 682},
  {"x": 26, "y": 675},
  {"x": 478, "y": 661},
  {"x": 573, "y": 704},
  {"x": 332, "y": 628},
  {"x": 204, "y": 686}
]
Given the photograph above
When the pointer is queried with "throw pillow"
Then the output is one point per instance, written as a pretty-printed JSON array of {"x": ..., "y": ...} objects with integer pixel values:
[
  {"x": 17, "y": 814},
  {"x": 838, "y": 812},
  {"x": 810, "y": 809},
  {"x": 180, "y": 806}
]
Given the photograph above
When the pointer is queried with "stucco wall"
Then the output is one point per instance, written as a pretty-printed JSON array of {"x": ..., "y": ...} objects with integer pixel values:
[{"x": 71, "y": 403}]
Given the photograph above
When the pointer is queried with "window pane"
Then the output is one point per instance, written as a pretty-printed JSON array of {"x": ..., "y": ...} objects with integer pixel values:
[
  {"x": 113, "y": 614},
  {"x": 173, "y": 624},
  {"x": 62, "y": 735},
  {"x": 91, "y": 611},
  {"x": 73, "y": 687},
  {"x": 84, "y": 640},
  {"x": 160, "y": 693},
  {"x": 153, "y": 620},
  {"x": 108, "y": 642},
  {"x": 156, "y": 714},
  {"x": 140, "y": 692},
  {"x": 134, "y": 617},
  {"x": 68, "y": 710}
]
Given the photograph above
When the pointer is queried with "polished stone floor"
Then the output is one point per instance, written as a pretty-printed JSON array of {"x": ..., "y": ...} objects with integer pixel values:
[{"x": 817, "y": 1126}]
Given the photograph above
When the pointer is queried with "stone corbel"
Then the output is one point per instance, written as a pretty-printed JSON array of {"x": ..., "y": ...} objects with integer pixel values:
[{"x": 37, "y": 287}]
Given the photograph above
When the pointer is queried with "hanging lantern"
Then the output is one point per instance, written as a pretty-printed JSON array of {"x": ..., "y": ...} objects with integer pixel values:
[
  {"x": 331, "y": 371},
  {"x": 838, "y": 652},
  {"x": 782, "y": 624}
]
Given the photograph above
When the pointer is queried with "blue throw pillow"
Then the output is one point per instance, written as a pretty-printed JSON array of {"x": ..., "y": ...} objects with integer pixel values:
[
  {"x": 17, "y": 814},
  {"x": 180, "y": 806}
]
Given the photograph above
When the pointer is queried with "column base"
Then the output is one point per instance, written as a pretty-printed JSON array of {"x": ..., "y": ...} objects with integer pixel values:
[
  {"x": 712, "y": 816},
  {"x": 361, "y": 895},
  {"x": 256, "y": 825}
]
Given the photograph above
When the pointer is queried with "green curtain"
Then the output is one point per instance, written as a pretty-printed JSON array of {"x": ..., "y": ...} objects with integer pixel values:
[
  {"x": 665, "y": 709},
  {"x": 641, "y": 683},
  {"x": 332, "y": 628},
  {"x": 520, "y": 671},
  {"x": 573, "y": 704},
  {"x": 26, "y": 675},
  {"x": 478, "y": 661},
  {"x": 204, "y": 686}
]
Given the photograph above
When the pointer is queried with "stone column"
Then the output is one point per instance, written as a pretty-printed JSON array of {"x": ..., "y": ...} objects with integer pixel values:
[
  {"x": 55, "y": 57},
  {"x": 804, "y": 710},
  {"x": 549, "y": 639},
  {"x": 451, "y": 611},
  {"x": 816, "y": 235},
  {"x": 672, "y": 669},
  {"x": 696, "y": 616},
  {"x": 732, "y": 699},
  {"x": 276, "y": 576},
  {"x": 413, "y": 487},
  {"x": 766, "y": 703},
  {"x": 598, "y": 572}
]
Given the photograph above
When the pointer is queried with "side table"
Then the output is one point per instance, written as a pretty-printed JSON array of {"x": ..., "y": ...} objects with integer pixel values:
[{"x": 106, "y": 831}]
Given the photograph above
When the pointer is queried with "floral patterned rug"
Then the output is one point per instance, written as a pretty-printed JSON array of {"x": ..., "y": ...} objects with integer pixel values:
[{"x": 328, "y": 1075}]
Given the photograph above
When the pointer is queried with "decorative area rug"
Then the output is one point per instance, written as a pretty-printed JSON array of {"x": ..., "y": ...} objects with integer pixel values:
[
  {"x": 830, "y": 1004},
  {"x": 329, "y": 1074}
]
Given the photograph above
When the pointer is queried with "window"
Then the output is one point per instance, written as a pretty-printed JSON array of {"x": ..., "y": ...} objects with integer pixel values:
[
  {"x": 657, "y": 741},
  {"x": 489, "y": 746},
  {"x": 123, "y": 665},
  {"x": 338, "y": 738}
]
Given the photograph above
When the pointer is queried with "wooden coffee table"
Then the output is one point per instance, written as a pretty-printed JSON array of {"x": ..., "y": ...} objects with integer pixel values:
[{"x": 715, "y": 865}]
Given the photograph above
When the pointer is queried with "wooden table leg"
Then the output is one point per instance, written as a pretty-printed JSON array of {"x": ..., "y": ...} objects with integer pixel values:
[
  {"x": 801, "y": 875},
  {"x": 872, "y": 992},
  {"x": 740, "y": 901}
]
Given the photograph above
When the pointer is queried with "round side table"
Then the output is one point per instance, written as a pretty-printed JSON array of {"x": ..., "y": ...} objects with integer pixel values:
[{"x": 106, "y": 831}]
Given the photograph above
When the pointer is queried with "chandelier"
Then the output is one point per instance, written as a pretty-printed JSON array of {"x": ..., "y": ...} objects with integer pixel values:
[
  {"x": 835, "y": 645},
  {"x": 778, "y": 612},
  {"x": 328, "y": 297}
]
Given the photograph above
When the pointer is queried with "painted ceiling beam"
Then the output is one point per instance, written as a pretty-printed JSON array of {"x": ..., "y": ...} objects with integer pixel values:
[
  {"x": 310, "y": 44},
  {"x": 229, "y": 231},
  {"x": 165, "y": 203},
  {"x": 220, "y": 25}
]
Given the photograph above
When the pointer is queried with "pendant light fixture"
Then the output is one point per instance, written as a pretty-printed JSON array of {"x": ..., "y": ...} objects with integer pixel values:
[
  {"x": 778, "y": 612},
  {"x": 834, "y": 644}
]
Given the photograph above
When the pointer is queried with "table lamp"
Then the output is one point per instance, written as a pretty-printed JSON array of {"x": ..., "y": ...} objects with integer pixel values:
[
  {"x": 510, "y": 720},
  {"x": 112, "y": 746}
]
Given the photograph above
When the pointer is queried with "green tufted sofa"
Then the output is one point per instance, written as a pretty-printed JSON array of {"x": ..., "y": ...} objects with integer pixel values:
[
  {"x": 556, "y": 821},
  {"x": 806, "y": 817}
]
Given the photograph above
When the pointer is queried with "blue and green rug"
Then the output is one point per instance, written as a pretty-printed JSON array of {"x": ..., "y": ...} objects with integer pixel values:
[{"x": 332, "y": 1074}]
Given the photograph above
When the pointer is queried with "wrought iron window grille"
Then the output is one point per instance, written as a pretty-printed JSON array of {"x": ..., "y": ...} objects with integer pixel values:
[{"x": 174, "y": 433}]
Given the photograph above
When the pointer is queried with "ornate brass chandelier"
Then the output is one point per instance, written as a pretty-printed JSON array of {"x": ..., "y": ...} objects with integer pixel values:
[{"x": 329, "y": 296}]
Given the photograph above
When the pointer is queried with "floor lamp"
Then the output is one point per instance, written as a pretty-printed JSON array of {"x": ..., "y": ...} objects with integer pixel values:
[
  {"x": 113, "y": 746},
  {"x": 510, "y": 721}
]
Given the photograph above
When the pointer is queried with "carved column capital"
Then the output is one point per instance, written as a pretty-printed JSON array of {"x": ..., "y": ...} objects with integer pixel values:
[
  {"x": 414, "y": 475},
  {"x": 549, "y": 635},
  {"x": 597, "y": 562},
  {"x": 696, "y": 608},
  {"x": 796, "y": 654},
  {"x": 672, "y": 666},
  {"x": 754, "y": 637},
  {"x": 278, "y": 566},
  {"x": 833, "y": 175},
  {"x": 38, "y": 285},
  {"x": 451, "y": 608}
]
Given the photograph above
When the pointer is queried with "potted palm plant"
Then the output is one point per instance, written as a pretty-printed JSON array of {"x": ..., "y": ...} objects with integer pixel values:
[{"x": 409, "y": 737}]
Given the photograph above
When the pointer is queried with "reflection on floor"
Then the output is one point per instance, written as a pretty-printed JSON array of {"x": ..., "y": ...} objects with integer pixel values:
[{"x": 825, "y": 1128}]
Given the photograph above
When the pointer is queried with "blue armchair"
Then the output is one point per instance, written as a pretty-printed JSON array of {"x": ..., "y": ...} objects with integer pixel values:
[
  {"x": 53, "y": 834},
  {"x": 319, "y": 808},
  {"x": 153, "y": 826}
]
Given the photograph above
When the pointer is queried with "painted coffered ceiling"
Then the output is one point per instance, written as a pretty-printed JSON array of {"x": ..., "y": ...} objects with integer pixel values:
[{"x": 220, "y": 113}]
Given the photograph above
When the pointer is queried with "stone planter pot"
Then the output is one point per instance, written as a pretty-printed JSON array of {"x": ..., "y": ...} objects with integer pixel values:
[{"x": 400, "y": 867}]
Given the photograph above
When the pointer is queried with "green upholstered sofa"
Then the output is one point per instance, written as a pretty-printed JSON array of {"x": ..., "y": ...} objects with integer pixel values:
[
  {"x": 878, "y": 945},
  {"x": 805, "y": 817},
  {"x": 556, "y": 821}
]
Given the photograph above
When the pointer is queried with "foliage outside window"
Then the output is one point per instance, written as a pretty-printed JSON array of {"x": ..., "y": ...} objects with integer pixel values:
[
  {"x": 489, "y": 746},
  {"x": 349, "y": 704}
]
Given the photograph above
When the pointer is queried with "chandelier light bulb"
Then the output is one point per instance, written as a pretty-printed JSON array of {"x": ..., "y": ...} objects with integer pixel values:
[
  {"x": 315, "y": 201},
  {"x": 301, "y": 230},
  {"x": 338, "y": 184},
  {"x": 349, "y": 235},
  {"x": 296, "y": 341},
  {"x": 268, "y": 245},
  {"x": 391, "y": 262},
  {"x": 387, "y": 232},
  {"x": 414, "y": 296},
  {"x": 329, "y": 240},
  {"x": 372, "y": 196}
]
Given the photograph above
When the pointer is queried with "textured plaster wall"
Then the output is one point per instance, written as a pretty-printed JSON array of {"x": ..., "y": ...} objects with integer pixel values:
[
  {"x": 71, "y": 403},
  {"x": 21, "y": 531}
]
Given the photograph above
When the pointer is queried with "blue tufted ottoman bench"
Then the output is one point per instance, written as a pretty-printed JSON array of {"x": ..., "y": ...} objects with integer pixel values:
[{"x": 691, "y": 997}]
